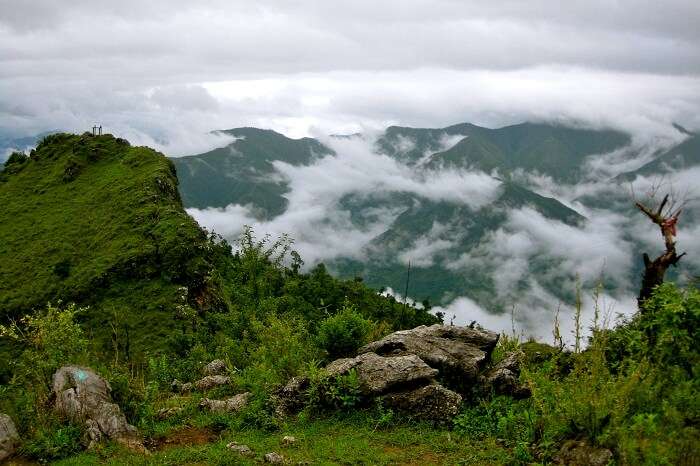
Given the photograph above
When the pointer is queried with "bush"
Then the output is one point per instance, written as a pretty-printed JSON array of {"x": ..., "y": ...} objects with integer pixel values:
[
  {"x": 333, "y": 392},
  {"x": 635, "y": 389},
  {"x": 342, "y": 334},
  {"x": 52, "y": 338}
]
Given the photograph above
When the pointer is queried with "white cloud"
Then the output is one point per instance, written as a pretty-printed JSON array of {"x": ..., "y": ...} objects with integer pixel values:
[
  {"x": 423, "y": 250},
  {"x": 314, "y": 217}
]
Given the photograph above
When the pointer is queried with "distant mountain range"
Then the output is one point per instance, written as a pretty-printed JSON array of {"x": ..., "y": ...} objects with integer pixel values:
[{"x": 244, "y": 173}]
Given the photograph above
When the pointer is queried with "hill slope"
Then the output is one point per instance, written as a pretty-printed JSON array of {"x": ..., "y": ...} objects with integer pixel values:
[
  {"x": 96, "y": 221},
  {"x": 242, "y": 172}
]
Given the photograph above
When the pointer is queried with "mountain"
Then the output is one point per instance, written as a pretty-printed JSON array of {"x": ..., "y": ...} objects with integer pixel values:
[
  {"x": 92, "y": 220},
  {"x": 455, "y": 229},
  {"x": 682, "y": 156},
  {"x": 242, "y": 172},
  {"x": 557, "y": 151}
]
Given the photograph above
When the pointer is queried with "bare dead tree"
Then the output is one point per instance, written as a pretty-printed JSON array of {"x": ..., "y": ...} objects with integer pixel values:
[{"x": 665, "y": 215}]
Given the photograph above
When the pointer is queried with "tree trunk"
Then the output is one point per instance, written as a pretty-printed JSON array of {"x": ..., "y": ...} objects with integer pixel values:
[{"x": 654, "y": 271}]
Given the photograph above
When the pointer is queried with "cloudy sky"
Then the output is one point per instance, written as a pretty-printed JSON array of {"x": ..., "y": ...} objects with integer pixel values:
[{"x": 166, "y": 72}]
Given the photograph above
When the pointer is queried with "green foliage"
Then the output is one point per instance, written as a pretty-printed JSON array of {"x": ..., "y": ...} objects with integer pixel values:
[
  {"x": 51, "y": 338},
  {"x": 328, "y": 392},
  {"x": 501, "y": 417},
  {"x": 342, "y": 334},
  {"x": 634, "y": 389},
  {"x": 114, "y": 237},
  {"x": 53, "y": 442}
]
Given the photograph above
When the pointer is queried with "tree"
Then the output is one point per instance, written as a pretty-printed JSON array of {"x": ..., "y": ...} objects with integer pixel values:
[{"x": 665, "y": 215}]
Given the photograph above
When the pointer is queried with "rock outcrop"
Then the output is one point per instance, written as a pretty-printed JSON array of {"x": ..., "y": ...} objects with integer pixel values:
[
  {"x": 403, "y": 370},
  {"x": 84, "y": 397},
  {"x": 211, "y": 381},
  {"x": 216, "y": 367},
  {"x": 9, "y": 438},
  {"x": 378, "y": 374},
  {"x": 273, "y": 458},
  {"x": 432, "y": 402},
  {"x": 504, "y": 377},
  {"x": 579, "y": 453},
  {"x": 229, "y": 405},
  {"x": 243, "y": 450},
  {"x": 458, "y": 352}
]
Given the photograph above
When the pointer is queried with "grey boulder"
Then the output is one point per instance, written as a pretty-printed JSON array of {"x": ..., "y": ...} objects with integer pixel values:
[
  {"x": 458, "y": 352},
  {"x": 9, "y": 438},
  {"x": 379, "y": 374},
  {"x": 579, "y": 453},
  {"x": 230, "y": 405},
  {"x": 432, "y": 402},
  {"x": 504, "y": 377},
  {"x": 273, "y": 458},
  {"x": 216, "y": 367},
  {"x": 84, "y": 397},
  {"x": 212, "y": 381}
]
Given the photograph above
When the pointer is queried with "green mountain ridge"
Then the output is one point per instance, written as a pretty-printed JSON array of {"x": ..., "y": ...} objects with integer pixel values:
[
  {"x": 242, "y": 172},
  {"x": 93, "y": 220}
]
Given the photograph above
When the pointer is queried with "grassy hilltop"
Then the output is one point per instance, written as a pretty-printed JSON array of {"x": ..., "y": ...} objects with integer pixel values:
[{"x": 90, "y": 219}]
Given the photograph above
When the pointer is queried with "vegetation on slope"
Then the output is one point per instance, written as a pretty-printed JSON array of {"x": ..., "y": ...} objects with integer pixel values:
[{"x": 92, "y": 220}]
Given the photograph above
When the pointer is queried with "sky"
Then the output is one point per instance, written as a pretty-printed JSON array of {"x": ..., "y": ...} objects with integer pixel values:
[{"x": 166, "y": 73}]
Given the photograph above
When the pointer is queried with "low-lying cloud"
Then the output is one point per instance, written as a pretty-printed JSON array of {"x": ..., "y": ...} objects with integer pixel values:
[{"x": 314, "y": 216}]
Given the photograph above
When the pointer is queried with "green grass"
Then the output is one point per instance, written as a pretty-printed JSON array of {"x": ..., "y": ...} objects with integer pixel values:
[{"x": 330, "y": 441}]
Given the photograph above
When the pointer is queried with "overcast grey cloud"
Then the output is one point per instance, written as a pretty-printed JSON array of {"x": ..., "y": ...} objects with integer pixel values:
[{"x": 162, "y": 72}]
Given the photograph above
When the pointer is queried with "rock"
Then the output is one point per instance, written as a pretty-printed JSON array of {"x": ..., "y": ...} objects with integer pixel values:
[
  {"x": 243, "y": 450},
  {"x": 212, "y": 381},
  {"x": 230, "y": 405},
  {"x": 504, "y": 377},
  {"x": 291, "y": 398},
  {"x": 176, "y": 386},
  {"x": 186, "y": 387},
  {"x": 82, "y": 396},
  {"x": 92, "y": 435},
  {"x": 378, "y": 374},
  {"x": 579, "y": 453},
  {"x": 216, "y": 367},
  {"x": 167, "y": 413},
  {"x": 431, "y": 402},
  {"x": 274, "y": 458},
  {"x": 9, "y": 438},
  {"x": 179, "y": 387},
  {"x": 288, "y": 440},
  {"x": 458, "y": 352}
]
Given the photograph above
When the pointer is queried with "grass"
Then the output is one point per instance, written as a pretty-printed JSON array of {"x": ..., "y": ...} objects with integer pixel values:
[{"x": 330, "y": 441}]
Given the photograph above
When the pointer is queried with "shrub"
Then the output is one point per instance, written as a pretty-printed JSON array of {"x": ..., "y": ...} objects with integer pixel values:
[
  {"x": 52, "y": 338},
  {"x": 333, "y": 392},
  {"x": 342, "y": 334}
]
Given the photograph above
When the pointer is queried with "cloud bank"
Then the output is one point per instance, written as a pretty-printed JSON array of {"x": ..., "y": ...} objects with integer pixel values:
[{"x": 166, "y": 73}]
